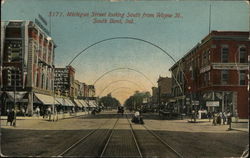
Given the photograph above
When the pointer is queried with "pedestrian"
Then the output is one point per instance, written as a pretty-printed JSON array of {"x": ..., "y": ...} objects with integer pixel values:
[
  {"x": 37, "y": 111},
  {"x": 8, "y": 116},
  {"x": 229, "y": 120},
  {"x": 219, "y": 118},
  {"x": 214, "y": 118},
  {"x": 224, "y": 118},
  {"x": 49, "y": 112},
  {"x": 23, "y": 111},
  {"x": 93, "y": 112},
  {"x": 11, "y": 117},
  {"x": 209, "y": 116}
]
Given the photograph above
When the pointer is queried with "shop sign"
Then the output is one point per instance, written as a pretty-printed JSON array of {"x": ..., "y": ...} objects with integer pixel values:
[
  {"x": 212, "y": 103},
  {"x": 205, "y": 69},
  {"x": 230, "y": 67}
]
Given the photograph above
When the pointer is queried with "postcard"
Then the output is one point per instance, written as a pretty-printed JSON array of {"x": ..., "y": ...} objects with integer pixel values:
[{"x": 124, "y": 78}]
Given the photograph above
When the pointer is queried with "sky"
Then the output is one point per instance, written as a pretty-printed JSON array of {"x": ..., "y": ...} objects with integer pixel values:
[{"x": 135, "y": 63}]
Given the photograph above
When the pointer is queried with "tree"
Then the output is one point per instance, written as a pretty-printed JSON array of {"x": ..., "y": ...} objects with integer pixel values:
[
  {"x": 135, "y": 102},
  {"x": 109, "y": 101}
]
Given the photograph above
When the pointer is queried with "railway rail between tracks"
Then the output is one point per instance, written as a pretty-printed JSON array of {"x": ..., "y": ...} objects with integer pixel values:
[
  {"x": 133, "y": 136},
  {"x": 84, "y": 138},
  {"x": 163, "y": 141},
  {"x": 158, "y": 138}
]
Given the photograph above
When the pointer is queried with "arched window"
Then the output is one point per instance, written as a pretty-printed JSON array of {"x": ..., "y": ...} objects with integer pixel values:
[{"x": 242, "y": 54}]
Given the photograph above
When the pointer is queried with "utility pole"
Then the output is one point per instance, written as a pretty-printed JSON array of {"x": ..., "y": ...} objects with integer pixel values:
[{"x": 15, "y": 110}]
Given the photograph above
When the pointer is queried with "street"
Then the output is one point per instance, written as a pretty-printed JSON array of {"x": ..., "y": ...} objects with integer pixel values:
[{"x": 109, "y": 134}]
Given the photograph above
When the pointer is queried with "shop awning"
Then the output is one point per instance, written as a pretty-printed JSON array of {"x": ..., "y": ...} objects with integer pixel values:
[
  {"x": 61, "y": 101},
  {"x": 69, "y": 102},
  {"x": 92, "y": 103},
  {"x": 84, "y": 104},
  {"x": 18, "y": 96},
  {"x": 46, "y": 99},
  {"x": 78, "y": 103}
]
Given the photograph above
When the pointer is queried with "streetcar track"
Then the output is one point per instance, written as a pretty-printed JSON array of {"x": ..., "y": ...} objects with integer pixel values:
[
  {"x": 160, "y": 139},
  {"x": 134, "y": 140},
  {"x": 133, "y": 134},
  {"x": 109, "y": 137},
  {"x": 83, "y": 139}
]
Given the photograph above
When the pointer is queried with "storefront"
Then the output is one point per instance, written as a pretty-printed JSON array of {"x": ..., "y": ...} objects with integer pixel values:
[
  {"x": 9, "y": 98},
  {"x": 223, "y": 101}
]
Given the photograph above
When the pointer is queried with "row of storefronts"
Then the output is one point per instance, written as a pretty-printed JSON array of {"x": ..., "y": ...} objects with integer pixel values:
[{"x": 20, "y": 102}]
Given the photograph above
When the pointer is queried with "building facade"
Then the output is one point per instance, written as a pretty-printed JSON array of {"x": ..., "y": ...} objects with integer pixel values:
[
  {"x": 215, "y": 73},
  {"x": 76, "y": 89},
  {"x": 177, "y": 87},
  {"x": 91, "y": 91},
  {"x": 155, "y": 95},
  {"x": 164, "y": 89},
  {"x": 65, "y": 81},
  {"x": 27, "y": 63}
]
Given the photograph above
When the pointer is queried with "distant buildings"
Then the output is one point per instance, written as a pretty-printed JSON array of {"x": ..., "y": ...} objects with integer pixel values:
[
  {"x": 213, "y": 74},
  {"x": 66, "y": 84},
  {"x": 155, "y": 96},
  {"x": 164, "y": 89},
  {"x": 64, "y": 81}
]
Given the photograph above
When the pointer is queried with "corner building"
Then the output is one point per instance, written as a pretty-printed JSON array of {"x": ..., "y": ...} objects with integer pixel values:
[
  {"x": 27, "y": 64},
  {"x": 216, "y": 69}
]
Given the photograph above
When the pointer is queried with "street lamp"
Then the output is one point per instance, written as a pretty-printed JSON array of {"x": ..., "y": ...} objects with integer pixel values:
[{"x": 53, "y": 91}]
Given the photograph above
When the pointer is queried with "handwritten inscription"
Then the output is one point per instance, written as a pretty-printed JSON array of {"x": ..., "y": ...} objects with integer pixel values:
[{"x": 96, "y": 17}]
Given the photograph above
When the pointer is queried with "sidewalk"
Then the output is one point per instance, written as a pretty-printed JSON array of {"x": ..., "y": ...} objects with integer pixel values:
[
  {"x": 60, "y": 116},
  {"x": 240, "y": 125}
]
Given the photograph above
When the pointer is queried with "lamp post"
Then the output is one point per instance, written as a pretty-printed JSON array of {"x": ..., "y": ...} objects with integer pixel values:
[{"x": 53, "y": 105}]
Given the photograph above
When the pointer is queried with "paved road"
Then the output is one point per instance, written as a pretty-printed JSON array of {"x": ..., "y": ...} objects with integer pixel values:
[{"x": 44, "y": 138}]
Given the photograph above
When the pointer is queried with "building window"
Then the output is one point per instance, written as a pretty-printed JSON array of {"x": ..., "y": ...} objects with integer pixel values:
[
  {"x": 242, "y": 55},
  {"x": 224, "y": 77},
  {"x": 13, "y": 33},
  {"x": 224, "y": 54},
  {"x": 37, "y": 80},
  {"x": 242, "y": 77},
  {"x": 206, "y": 57},
  {"x": 42, "y": 83}
]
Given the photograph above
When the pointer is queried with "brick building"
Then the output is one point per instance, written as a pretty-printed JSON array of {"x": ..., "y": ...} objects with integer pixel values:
[
  {"x": 64, "y": 81},
  {"x": 155, "y": 96},
  {"x": 27, "y": 64},
  {"x": 164, "y": 89},
  {"x": 215, "y": 73}
]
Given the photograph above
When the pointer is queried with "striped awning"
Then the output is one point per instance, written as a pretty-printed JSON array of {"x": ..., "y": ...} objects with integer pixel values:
[
  {"x": 46, "y": 99},
  {"x": 84, "y": 104},
  {"x": 92, "y": 103},
  {"x": 69, "y": 102},
  {"x": 78, "y": 103}
]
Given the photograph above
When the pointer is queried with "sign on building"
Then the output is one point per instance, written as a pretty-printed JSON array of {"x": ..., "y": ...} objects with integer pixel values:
[{"x": 212, "y": 103}]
